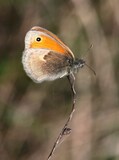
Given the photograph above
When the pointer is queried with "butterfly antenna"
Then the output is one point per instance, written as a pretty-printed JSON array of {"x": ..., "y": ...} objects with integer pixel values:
[
  {"x": 91, "y": 69},
  {"x": 87, "y": 51},
  {"x": 85, "y": 57}
]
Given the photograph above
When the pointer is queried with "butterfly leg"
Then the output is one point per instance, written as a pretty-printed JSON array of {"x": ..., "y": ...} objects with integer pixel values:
[{"x": 71, "y": 79}]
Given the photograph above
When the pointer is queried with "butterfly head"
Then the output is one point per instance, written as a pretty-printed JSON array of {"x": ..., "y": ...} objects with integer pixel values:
[{"x": 78, "y": 63}]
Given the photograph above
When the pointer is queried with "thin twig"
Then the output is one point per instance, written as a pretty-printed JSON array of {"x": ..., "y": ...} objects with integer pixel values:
[{"x": 65, "y": 130}]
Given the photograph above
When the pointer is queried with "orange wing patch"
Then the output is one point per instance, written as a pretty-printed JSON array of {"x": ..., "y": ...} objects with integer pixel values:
[{"x": 48, "y": 43}]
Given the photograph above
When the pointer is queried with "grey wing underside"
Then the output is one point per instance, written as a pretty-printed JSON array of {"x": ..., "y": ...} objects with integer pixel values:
[
  {"x": 48, "y": 66},
  {"x": 56, "y": 66}
]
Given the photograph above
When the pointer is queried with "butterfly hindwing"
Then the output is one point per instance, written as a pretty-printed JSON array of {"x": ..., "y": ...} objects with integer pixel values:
[{"x": 46, "y": 65}]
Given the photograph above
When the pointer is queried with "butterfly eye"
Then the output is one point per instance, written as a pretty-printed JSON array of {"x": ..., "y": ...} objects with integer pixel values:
[{"x": 38, "y": 39}]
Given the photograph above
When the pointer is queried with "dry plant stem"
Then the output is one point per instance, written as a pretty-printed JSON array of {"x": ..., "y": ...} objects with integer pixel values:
[{"x": 65, "y": 130}]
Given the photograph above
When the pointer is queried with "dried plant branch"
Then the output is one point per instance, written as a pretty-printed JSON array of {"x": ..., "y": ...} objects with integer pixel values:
[{"x": 65, "y": 130}]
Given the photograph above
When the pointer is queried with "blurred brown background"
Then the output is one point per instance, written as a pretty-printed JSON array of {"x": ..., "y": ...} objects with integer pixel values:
[{"x": 32, "y": 115}]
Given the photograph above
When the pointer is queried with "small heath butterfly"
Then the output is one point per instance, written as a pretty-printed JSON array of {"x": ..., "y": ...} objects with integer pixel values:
[{"x": 46, "y": 57}]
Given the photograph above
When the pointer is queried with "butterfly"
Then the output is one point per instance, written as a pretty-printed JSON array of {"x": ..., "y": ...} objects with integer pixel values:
[{"x": 46, "y": 57}]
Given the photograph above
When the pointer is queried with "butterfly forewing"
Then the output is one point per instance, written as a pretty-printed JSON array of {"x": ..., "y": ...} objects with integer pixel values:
[{"x": 47, "y": 33}]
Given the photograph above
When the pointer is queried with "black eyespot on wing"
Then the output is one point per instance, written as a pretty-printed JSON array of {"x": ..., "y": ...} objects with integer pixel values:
[{"x": 38, "y": 39}]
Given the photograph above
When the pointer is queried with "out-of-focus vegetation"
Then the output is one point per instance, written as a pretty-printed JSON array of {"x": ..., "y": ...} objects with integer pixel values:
[{"x": 31, "y": 115}]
